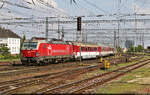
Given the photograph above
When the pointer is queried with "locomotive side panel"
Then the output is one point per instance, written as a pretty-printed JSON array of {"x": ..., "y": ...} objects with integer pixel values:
[{"x": 61, "y": 49}]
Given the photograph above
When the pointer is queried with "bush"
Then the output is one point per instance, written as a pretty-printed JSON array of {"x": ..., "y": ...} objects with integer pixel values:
[
  {"x": 139, "y": 48},
  {"x": 119, "y": 49},
  {"x": 5, "y": 54},
  {"x": 4, "y": 51}
]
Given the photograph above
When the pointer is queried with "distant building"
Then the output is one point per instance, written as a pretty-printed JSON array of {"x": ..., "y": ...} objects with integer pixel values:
[
  {"x": 129, "y": 43},
  {"x": 10, "y": 40}
]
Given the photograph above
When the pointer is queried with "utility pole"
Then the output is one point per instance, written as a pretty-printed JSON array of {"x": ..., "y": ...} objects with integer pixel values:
[
  {"x": 58, "y": 30},
  {"x": 136, "y": 37},
  {"x": 136, "y": 30},
  {"x": 114, "y": 39},
  {"x": 118, "y": 32},
  {"x": 46, "y": 34},
  {"x": 119, "y": 12},
  {"x": 62, "y": 36},
  {"x": 143, "y": 39},
  {"x": 86, "y": 38}
]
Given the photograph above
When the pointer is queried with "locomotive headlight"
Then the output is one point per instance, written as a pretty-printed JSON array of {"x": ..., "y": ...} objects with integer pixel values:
[{"x": 37, "y": 53}]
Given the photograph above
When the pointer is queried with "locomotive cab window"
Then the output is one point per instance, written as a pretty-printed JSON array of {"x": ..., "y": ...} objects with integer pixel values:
[{"x": 30, "y": 45}]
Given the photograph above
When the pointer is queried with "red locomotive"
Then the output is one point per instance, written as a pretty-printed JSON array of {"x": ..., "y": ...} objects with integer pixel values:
[{"x": 37, "y": 50}]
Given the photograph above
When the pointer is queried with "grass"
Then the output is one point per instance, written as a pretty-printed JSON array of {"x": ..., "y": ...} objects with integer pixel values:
[
  {"x": 122, "y": 85},
  {"x": 116, "y": 88},
  {"x": 9, "y": 60},
  {"x": 112, "y": 67}
]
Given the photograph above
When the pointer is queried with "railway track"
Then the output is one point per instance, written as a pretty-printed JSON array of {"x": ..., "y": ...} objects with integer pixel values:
[
  {"x": 83, "y": 85},
  {"x": 12, "y": 86},
  {"x": 20, "y": 83},
  {"x": 15, "y": 70}
]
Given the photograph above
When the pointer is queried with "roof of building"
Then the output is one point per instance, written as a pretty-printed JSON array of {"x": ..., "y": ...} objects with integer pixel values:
[{"x": 6, "y": 33}]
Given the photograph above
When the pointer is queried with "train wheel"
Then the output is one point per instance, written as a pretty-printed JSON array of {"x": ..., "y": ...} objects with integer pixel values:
[
  {"x": 53, "y": 61},
  {"x": 62, "y": 60},
  {"x": 23, "y": 63}
]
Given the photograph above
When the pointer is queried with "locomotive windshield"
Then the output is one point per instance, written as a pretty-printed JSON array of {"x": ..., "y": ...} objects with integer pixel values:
[{"x": 30, "y": 45}]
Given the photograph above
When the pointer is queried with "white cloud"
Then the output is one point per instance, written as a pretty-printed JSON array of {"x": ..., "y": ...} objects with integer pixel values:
[{"x": 141, "y": 10}]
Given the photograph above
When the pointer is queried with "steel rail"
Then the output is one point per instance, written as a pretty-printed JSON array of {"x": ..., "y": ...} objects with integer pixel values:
[{"x": 80, "y": 84}]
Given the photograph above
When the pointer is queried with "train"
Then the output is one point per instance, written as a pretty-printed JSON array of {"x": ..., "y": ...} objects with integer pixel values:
[{"x": 39, "y": 50}]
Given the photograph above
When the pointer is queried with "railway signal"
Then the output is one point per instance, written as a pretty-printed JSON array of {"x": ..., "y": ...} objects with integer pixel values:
[{"x": 79, "y": 24}]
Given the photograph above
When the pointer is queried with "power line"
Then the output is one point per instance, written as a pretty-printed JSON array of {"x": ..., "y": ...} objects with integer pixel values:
[
  {"x": 94, "y": 5},
  {"x": 14, "y": 4},
  {"x": 69, "y": 22}
]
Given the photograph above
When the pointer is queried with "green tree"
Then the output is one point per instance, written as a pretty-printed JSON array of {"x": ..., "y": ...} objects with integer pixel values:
[
  {"x": 139, "y": 48},
  {"x": 22, "y": 41},
  {"x": 119, "y": 49},
  {"x": 4, "y": 51},
  {"x": 131, "y": 49}
]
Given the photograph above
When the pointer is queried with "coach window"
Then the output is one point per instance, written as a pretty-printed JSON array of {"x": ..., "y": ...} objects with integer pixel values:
[{"x": 81, "y": 48}]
